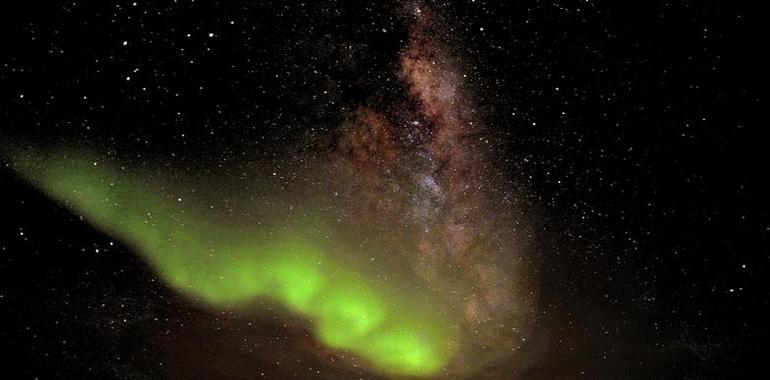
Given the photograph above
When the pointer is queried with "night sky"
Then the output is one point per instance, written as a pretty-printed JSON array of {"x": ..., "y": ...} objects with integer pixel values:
[{"x": 403, "y": 189}]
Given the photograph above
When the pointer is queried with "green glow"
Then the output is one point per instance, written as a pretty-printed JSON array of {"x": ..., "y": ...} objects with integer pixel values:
[{"x": 398, "y": 331}]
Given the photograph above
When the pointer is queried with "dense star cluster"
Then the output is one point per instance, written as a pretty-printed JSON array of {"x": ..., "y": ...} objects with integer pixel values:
[{"x": 412, "y": 188}]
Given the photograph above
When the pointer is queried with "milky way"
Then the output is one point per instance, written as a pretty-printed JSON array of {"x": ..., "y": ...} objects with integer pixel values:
[{"x": 427, "y": 179}]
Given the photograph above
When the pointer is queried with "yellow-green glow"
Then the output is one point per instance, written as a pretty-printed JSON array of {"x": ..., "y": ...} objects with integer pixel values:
[{"x": 396, "y": 330}]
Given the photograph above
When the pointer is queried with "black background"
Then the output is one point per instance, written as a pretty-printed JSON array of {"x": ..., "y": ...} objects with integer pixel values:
[{"x": 638, "y": 128}]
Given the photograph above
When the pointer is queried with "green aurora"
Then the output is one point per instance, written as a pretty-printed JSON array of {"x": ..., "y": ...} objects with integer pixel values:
[{"x": 398, "y": 331}]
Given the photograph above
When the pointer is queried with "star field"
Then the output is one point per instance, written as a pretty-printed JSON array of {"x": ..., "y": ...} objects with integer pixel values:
[{"x": 441, "y": 189}]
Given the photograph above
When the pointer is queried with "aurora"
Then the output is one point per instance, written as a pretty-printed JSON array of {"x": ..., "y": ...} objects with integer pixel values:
[{"x": 232, "y": 266}]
